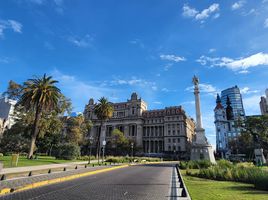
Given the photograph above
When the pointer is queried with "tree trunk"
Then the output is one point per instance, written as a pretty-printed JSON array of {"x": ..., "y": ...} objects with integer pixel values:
[
  {"x": 35, "y": 131},
  {"x": 98, "y": 144}
]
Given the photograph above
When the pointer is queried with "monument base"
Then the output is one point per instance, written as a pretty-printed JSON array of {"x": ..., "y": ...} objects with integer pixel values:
[
  {"x": 259, "y": 157},
  {"x": 202, "y": 152}
]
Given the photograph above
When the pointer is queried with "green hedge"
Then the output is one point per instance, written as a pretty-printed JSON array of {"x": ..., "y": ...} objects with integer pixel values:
[
  {"x": 226, "y": 171},
  {"x": 196, "y": 164},
  {"x": 67, "y": 151}
]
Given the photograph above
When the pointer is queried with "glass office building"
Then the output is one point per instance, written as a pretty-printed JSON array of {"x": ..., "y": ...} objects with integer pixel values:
[{"x": 236, "y": 101}]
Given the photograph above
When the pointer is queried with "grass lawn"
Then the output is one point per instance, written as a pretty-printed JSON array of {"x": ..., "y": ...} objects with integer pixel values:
[
  {"x": 42, "y": 160},
  {"x": 201, "y": 189}
]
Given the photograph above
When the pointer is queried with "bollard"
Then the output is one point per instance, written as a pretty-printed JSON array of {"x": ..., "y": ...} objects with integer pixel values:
[
  {"x": 64, "y": 169},
  {"x": 92, "y": 165},
  {"x": 105, "y": 164},
  {"x": 30, "y": 174},
  {"x": 76, "y": 167},
  {"x": 181, "y": 184},
  {"x": 49, "y": 171},
  {"x": 183, "y": 193},
  {"x": 12, "y": 190},
  {"x": 3, "y": 177},
  {"x": 110, "y": 163},
  {"x": 85, "y": 166}
]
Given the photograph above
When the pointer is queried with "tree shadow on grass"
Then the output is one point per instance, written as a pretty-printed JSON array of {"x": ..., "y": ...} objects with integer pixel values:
[{"x": 248, "y": 190}]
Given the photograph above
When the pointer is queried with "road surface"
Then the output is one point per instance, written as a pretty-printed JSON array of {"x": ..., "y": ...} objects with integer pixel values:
[{"x": 143, "y": 182}]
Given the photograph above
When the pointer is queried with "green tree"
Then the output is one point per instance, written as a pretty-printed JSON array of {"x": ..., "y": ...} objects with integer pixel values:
[
  {"x": 39, "y": 95},
  {"x": 119, "y": 142},
  {"x": 77, "y": 129},
  {"x": 13, "y": 91},
  {"x": 104, "y": 111},
  {"x": 254, "y": 134}
]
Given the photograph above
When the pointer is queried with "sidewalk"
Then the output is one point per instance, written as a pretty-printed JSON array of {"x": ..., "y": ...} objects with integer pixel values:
[
  {"x": 13, "y": 170},
  {"x": 18, "y": 183}
]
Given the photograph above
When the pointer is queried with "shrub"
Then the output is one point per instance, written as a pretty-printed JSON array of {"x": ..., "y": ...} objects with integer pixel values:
[
  {"x": 67, "y": 151},
  {"x": 183, "y": 165},
  {"x": 224, "y": 163},
  {"x": 236, "y": 172},
  {"x": 1, "y": 154}
]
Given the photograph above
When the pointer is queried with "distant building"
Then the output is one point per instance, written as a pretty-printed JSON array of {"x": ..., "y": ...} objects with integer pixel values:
[
  {"x": 236, "y": 100},
  {"x": 7, "y": 119},
  {"x": 163, "y": 131},
  {"x": 228, "y": 113},
  {"x": 264, "y": 103}
]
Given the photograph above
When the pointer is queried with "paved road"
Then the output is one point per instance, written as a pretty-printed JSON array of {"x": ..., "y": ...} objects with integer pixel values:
[{"x": 143, "y": 182}]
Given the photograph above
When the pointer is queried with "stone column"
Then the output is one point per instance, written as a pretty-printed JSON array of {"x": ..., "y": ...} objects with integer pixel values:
[
  {"x": 197, "y": 103},
  {"x": 139, "y": 135}
]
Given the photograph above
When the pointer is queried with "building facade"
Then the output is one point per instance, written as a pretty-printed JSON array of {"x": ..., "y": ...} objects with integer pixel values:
[
  {"x": 7, "y": 118},
  {"x": 163, "y": 131},
  {"x": 264, "y": 103},
  {"x": 236, "y": 99},
  {"x": 227, "y": 126}
]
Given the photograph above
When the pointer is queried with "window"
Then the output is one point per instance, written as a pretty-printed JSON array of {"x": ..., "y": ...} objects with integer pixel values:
[
  {"x": 169, "y": 148},
  {"x": 178, "y": 131},
  {"x": 173, "y": 132},
  {"x": 169, "y": 140},
  {"x": 179, "y": 140},
  {"x": 174, "y": 140}
]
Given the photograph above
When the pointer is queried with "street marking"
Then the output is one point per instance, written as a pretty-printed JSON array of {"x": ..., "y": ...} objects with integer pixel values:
[{"x": 58, "y": 180}]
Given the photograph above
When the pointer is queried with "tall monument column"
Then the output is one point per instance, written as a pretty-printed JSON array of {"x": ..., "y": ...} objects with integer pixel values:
[{"x": 201, "y": 149}]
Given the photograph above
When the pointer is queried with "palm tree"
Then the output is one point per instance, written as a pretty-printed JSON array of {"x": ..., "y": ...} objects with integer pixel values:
[
  {"x": 39, "y": 95},
  {"x": 104, "y": 111}
]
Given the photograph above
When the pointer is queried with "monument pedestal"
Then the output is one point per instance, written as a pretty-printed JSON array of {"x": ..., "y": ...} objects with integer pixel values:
[
  {"x": 201, "y": 149},
  {"x": 259, "y": 157}
]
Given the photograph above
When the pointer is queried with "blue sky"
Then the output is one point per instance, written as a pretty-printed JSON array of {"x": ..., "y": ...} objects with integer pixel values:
[{"x": 154, "y": 47}]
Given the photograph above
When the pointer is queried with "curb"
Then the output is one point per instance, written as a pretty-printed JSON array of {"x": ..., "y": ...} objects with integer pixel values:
[{"x": 58, "y": 180}]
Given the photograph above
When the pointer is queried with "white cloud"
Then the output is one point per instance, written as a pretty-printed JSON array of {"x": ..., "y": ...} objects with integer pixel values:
[
  {"x": 188, "y": 11},
  {"x": 247, "y": 90},
  {"x": 137, "y": 42},
  {"x": 171, "y": 57},
  {"x": 157, "y": 102},
  {"x": 266, "y": 23},
  {"x": 133, "y": 81},
  {"x": 251, "y": 105},
  {"x": 85, "y": 41},
  {"x": 202, "y": 15},
  {"x": 10, "y": 24},
  {"x": 212, "y": 50},
  {"x": 4, "y": 60},
  {"x": 206, "y": 12},
  {"x": 165, "y": 90},
  {"x": 241, "y": 64},
  {"x": 204, "y": 87},
  {"x": 79, "y": 91},
  {"x": 38, "y": 2},
  {"x": 167, "y": 66},
  {"x": 237, "y": 5}
]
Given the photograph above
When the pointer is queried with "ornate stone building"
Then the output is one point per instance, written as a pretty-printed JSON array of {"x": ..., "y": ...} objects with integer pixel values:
[{"x": 163, "y": 131}]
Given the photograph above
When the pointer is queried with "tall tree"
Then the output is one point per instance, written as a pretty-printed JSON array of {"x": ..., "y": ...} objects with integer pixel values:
[
  {"x": 13, "y": 90},
  {"x": 39, "y": 95},
  {"x": 104, "y": 111}
]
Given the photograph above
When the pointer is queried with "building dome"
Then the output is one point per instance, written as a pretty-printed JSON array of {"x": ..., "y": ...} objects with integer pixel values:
[{"x": 134, "y": 96}]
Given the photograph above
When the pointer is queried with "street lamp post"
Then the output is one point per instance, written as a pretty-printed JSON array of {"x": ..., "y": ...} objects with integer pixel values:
[
  {"x": 90, "y": 148},
  {"x": 103, "y": 149},
  {"x": 132, "y": 146}
]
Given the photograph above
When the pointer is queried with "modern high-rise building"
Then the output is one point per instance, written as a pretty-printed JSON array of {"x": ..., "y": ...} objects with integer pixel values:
[
  {"x": 264, "y": 104},
  {"x": 164, "y": 131},
  {"x": 236, "y": 100}
]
